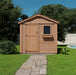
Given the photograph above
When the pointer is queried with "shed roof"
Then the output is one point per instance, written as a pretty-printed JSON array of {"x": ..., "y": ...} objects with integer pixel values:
[{"x": 38, "y": 15}]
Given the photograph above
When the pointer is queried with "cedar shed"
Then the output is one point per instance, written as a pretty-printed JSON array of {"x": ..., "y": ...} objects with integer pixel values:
[{"x": 38, "y": 34}]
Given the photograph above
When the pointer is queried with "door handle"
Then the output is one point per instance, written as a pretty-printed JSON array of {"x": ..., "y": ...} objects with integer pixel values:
[
  {"x": 25, "y": 35},
  {"x": 37, "y": 32}
]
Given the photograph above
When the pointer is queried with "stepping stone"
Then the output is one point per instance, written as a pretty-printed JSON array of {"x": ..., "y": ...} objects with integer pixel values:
[
  {"x": 35, "y": 65},
  {"x": 43, "y": 71}
]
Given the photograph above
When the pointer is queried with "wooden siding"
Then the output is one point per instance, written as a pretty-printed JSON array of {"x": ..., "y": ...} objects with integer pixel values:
[{"x": 31, "y": 36}]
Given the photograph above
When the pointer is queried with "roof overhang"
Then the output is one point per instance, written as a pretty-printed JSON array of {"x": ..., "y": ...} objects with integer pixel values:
[{"x": 38, "y": 15}]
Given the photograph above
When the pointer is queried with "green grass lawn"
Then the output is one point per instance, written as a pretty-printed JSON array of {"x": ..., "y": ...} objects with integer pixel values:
[
  {"x": 18, "y": 48},
  {"x": 57, "y": 64},
  {"x": 9, "y": 64},
  {"x": 62, "y": 64}
]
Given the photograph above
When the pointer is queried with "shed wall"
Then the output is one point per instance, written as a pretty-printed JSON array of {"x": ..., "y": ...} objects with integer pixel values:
[
  {"x": 44, "y": 46},
  {"x": 48, "y": 45}
]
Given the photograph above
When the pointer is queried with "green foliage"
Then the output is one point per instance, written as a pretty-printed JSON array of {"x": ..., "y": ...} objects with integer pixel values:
[
  {"x": 24, "y": 16},
  {"x": 63, "y": 51},
  {"x": 72, "y": 29},
  {"x": 7, "y": 47},
  {"x": 9, "y": 15},
  {"x": 59, "y": 50},
  {"x": 66, "y": 17}
]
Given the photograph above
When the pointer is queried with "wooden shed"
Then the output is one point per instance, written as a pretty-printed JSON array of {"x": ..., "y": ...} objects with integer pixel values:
[{"x": 38, "y": 34}]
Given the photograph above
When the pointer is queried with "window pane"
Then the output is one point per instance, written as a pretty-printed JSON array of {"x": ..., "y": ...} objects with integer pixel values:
[{"x": 46, "y": 29}]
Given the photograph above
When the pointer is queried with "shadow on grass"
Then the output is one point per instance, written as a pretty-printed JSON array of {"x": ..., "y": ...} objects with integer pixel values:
[
  {"x": 59, "y": 50},
  {"x": 17, "y": 53}
]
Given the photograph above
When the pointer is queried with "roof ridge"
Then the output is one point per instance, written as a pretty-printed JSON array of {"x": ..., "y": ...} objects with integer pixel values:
[{"x": 36, "y": 16}]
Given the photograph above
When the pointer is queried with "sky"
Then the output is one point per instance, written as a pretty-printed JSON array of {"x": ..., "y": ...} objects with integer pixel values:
[{"x": 30, "y": 6}]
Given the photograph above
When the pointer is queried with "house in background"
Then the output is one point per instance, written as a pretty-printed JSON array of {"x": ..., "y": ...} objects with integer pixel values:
[
  {"x": 38, "y": 34},
  {"x": 70, "y": 39}
]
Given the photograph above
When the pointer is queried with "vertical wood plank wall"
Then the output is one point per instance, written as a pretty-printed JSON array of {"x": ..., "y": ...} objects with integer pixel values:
[
  {"x": 48, "y": 46},
  {"x": 43, "y": 46},
  {"x": 21, "y": 50},
  {"x": 32, "y": 37}
]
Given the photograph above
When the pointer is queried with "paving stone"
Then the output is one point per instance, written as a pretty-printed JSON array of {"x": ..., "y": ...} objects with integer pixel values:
[
  {"x": 22, "y": 72},
  {"x": 35, "y": 73},
  {"x": 35, "y": 65},
  {"x": 44, "y": 67},
  {"x": 26, "y": 67},
  {"x": 42, "y": 71},
  {"x": 36, "y": 69}
]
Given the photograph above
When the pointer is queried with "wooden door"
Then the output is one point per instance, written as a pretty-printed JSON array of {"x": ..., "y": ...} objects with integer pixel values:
[{"x": 32, "y": 38}]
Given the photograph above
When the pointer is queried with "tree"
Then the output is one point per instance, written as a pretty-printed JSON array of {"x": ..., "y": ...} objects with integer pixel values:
[
  {"x": 24, "y": 16},
  {"x": 66, "y": 17},
  {"x": 9, "y": 15},
  {"x": 72, "y": 29}
]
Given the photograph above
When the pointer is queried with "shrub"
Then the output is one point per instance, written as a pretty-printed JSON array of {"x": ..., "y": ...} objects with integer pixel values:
[
  {"x": 59, "y": 50},
  {"x": 65, "y": 51},
  {"x": 7, "y": 47}
]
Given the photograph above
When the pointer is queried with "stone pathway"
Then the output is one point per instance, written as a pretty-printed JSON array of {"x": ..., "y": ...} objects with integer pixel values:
[{"x": 35, "y": 65}]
